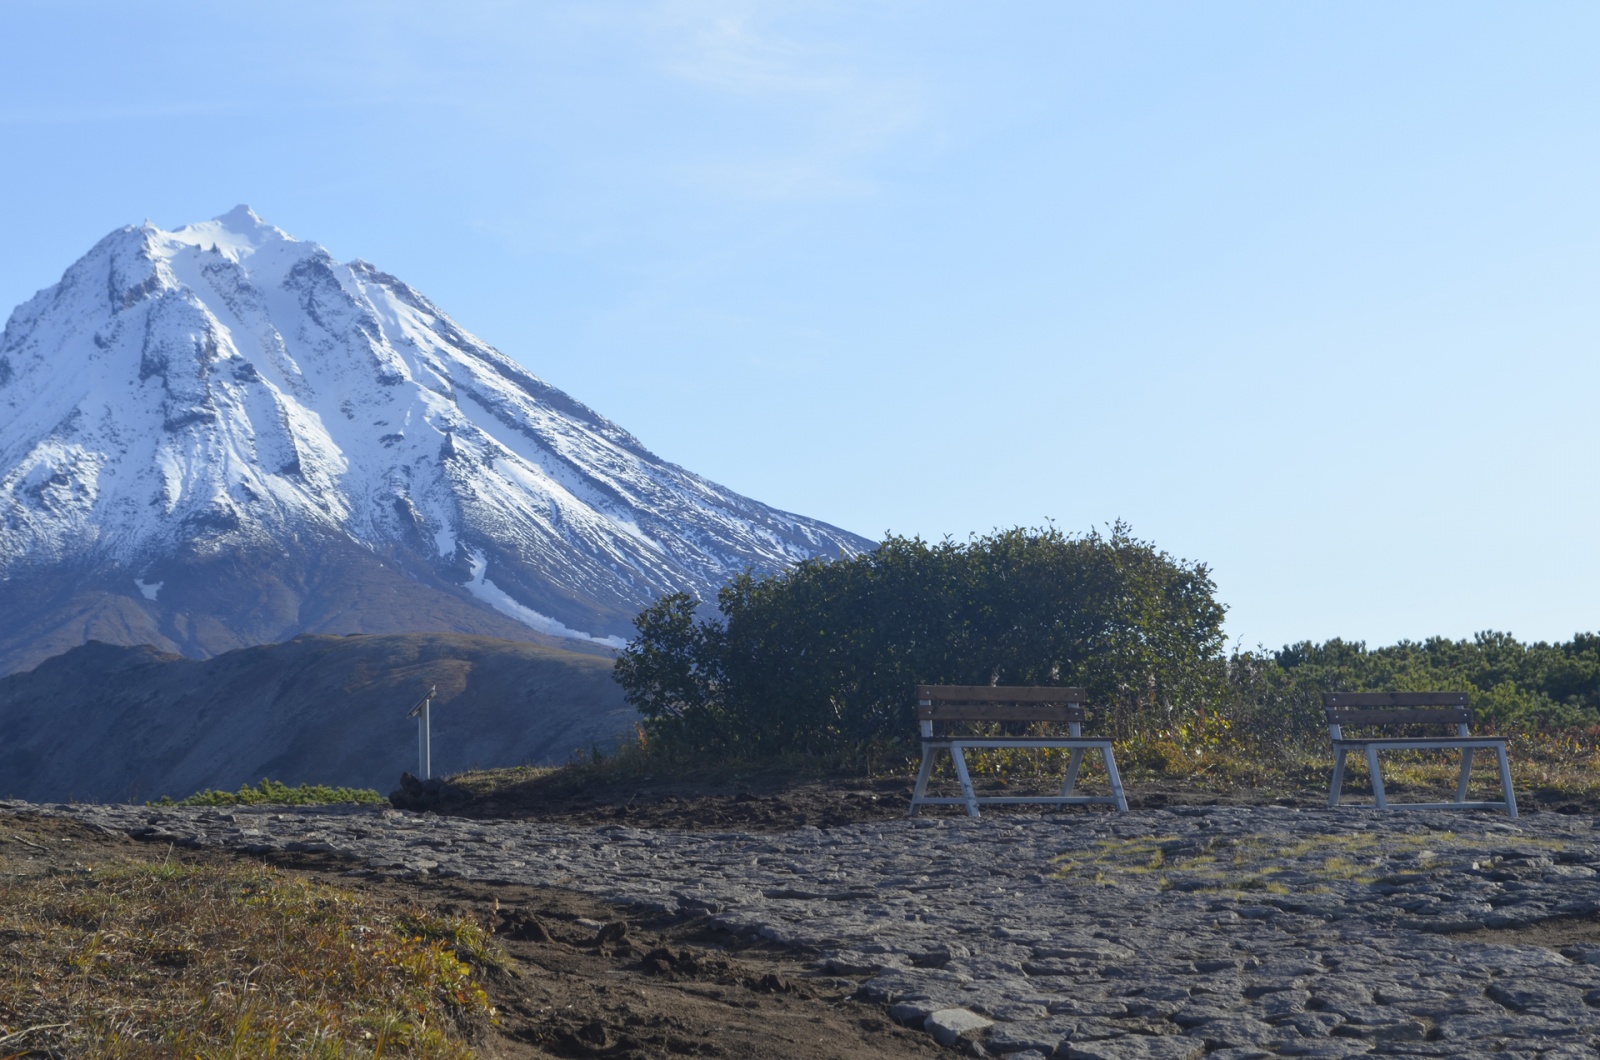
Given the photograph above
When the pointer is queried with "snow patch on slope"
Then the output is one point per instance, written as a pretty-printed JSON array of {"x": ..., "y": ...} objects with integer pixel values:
[{"x": 501, "y": 601}]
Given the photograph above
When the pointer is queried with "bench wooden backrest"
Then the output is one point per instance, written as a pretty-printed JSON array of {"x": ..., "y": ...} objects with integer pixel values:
[
  {"x": 1396, "y": 708},
  {"x": 998, "y": 703}
]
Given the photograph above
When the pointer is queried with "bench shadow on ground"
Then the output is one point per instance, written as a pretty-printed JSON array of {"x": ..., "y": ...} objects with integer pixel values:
[{"x": 765, "y": 802}]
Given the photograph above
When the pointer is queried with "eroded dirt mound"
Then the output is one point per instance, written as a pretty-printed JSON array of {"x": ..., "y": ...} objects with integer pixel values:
[
  {"x": 765, "y": 803},
  {"x": 584, "y": 980}
]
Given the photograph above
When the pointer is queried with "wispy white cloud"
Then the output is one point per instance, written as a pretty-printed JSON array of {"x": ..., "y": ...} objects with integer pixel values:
[
  {"x": 827, "y": 113},
  {"x": 724, "y": 46}
]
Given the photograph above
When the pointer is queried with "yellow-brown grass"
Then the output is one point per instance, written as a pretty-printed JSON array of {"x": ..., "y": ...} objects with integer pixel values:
[
  {"x": 168, "y": 959},
  {"x": 1554, "y": 764}
]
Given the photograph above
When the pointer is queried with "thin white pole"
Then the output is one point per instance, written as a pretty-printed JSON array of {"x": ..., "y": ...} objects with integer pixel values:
[
  {"x": 424, "y": 733},
  {"x": 427, "y": 741}
]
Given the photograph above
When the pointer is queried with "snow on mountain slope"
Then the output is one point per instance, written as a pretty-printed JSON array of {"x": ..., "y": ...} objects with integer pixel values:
[{"x": 226, "y": 389}]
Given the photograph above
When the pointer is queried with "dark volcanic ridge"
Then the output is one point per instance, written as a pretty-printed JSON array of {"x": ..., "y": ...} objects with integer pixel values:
[{"x": 109, "y": 723}]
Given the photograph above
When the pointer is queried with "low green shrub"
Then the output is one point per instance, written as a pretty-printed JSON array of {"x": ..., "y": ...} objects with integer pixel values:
[{"x": 276, "y": 793}]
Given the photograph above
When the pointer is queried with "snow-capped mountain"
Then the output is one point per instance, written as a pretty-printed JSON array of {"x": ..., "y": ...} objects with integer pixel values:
[{"x": 219, "y": 435}]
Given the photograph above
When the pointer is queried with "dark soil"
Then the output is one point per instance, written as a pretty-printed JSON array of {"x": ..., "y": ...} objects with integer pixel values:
[
  {"x": 776, "y": 802},
  {"x": 587, "y": 980},
  {"x": 594, "y": 981}
]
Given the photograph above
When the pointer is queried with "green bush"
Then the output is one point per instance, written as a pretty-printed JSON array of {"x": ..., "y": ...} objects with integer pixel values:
[
  {"x": 278, "y": 794},
  {"x": 822, "y": 657}
]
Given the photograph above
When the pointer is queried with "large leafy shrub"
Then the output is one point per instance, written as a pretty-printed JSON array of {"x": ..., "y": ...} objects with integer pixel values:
[{"x": 823, "y": 657}]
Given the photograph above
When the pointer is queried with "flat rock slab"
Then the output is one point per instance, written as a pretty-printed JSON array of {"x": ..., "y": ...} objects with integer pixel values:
[
  {"x": 949, "y": 1025},
  {"x": 1219, "y": 931}
]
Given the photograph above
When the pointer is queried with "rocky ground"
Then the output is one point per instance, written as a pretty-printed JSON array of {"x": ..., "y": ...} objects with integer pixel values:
[{"x": 1224, "y": 930}]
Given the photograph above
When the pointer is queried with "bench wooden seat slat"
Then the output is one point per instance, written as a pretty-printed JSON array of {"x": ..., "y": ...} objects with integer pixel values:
[
  {"x": 953, "y": 704},
  {"x": 998, "y": 712},
  {"x": 1355, "y": 716},
  {"x": 1001, "y": 694},
  {"x": 1394, "y": 699},
  {"x": 1377, "y": 709}
]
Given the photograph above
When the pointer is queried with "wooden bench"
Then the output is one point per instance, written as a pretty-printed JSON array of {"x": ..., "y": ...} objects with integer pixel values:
[
  {"x": 1410, "y": 708},
  {"x": 958, "y": 704}
]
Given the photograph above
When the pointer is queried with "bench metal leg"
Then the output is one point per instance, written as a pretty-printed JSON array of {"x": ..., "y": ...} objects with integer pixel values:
[
  {"x": 1074, "y": 760},
  {"x": 1116, "y": 781},
  {"x": 960, "y": 760},
  {"x": 1505, "y": 782},
  {"x": 1377, "y": 779},
  {"x": 1380, "y": 798},
  {"x": 1466, "y": 770},
  {"x": 922, "y": 780}
]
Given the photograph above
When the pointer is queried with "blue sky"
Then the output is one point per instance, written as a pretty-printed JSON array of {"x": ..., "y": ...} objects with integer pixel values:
[{"x": 1306, "y": 291}]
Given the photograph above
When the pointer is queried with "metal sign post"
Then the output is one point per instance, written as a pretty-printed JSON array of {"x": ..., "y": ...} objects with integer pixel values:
[{"x": 424, "y": 733}]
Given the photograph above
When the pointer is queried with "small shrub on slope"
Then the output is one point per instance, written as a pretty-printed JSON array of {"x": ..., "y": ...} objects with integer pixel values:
[{"x": 278, "y": 794}]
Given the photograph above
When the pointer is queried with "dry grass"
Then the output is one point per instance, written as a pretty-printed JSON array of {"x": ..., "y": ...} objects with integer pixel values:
[
  {"x": 170, "y": 959},
  {"x": 1261, "y": 863},
  {"x": 1554, "y": 765}
]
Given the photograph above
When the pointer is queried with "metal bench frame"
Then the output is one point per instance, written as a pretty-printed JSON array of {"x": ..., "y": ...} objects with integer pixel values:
[
  {"x": 981, "y": 703},
  {"x": 1411, "y": 708}
]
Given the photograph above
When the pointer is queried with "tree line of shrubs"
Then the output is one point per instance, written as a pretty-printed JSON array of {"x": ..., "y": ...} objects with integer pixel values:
[
  {"x": 821, "y": 658},
  {"x": 1515, "y": 687}
]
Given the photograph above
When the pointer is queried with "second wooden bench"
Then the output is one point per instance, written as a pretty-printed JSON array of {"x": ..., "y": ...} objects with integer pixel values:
[{"x": 1386, "y": 709}]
